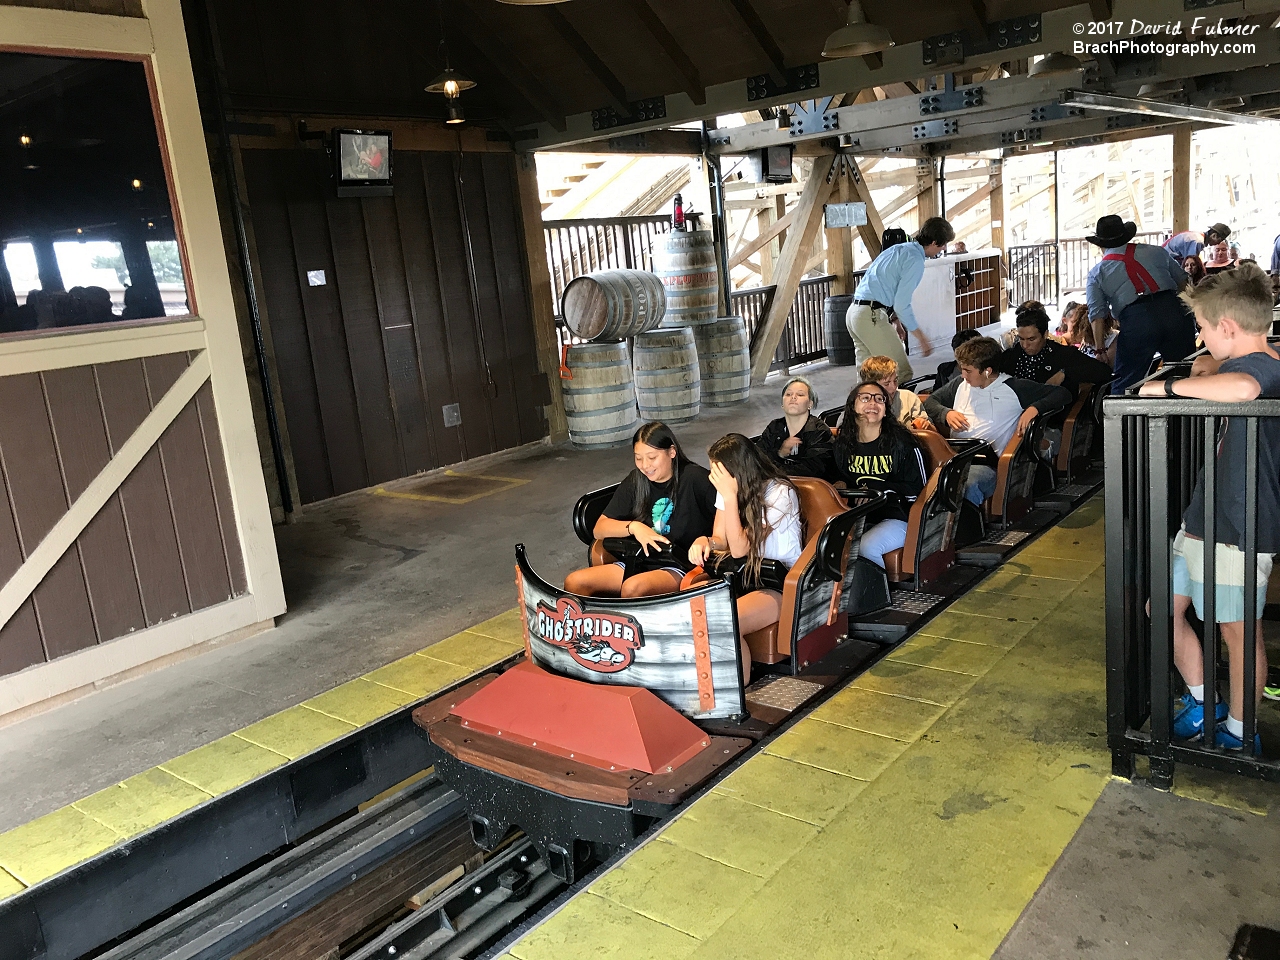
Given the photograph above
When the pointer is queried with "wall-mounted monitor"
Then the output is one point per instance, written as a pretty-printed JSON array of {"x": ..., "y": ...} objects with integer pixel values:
[
  {"x": 363, "y": 160},
  {"x": 769, "y": 165}
]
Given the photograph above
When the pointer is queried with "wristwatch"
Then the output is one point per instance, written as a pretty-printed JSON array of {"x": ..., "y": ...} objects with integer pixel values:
[{"x": 1168, "y": 386}]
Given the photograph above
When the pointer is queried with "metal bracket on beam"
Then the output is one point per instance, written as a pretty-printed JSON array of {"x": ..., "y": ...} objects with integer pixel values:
[
  {"x": 762, "y": 86},
  {"x": 951, "y": 100},
  {"x": 1021, "y": 135},
  {"x": 1055, "y": 111},
  {"x": 804, "y": 123},
  {"x": 935, "y": 128},
  {"x": 956, "y": 47},
  {"x": 653, "y": 108}
]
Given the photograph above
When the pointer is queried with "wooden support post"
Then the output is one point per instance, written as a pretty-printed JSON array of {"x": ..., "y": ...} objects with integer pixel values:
[
  {"x": 840, "y": 246},
  {"x": 927, "y": 189},
  {"x": 996, "y": 182},
  {"x": 1182, "y": 177},
  {"x": 791, "y": 265},
  {"x": 541, "y": 301},
  {"x": 874, "y": 228},
  {"x": 764, "y": 220}
]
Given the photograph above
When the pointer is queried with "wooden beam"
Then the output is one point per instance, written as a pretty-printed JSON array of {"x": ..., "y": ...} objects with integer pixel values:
[
  {"x": 1181, "y": 177},
  {"x": 541, "y": 301},
  {"x": 590, "y": 59},
  {"x": 973, "y": 17},
  {"x": 840, "y": 245},
  {"x": 969, "y": 202},
  {"x": 755, "y": 243},
  {"x": 1100, "y": 9},
  {"x": 764, "y": 39},
  {"x": 690, "y": 80},
  {"x": 901, "y": 202},
  {"x": 997, "y": 205},
  {"x": 505, "y": 61},
  {"x": 791, "y": 266},
  {"x": 927, "y": 188},
  {"x": 873, "y": 229}
]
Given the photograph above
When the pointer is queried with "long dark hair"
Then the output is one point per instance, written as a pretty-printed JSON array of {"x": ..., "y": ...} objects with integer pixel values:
[
  {"x": 754, "y": 472},
  {"x": 895, "y": 438},
  {"x": 656, "y": 434}
]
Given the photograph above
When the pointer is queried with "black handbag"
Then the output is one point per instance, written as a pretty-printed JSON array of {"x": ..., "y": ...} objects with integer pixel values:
[{"x": 773, "y": 573}]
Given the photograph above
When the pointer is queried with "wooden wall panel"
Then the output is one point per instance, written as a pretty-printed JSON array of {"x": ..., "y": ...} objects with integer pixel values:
[
  {"x": 144, "y": 496},
  {"x": 422, "y": 289},
  {"x": 353, "y": 279},
  {"x": 279, "y": 286},
  {"x": 221, "y": 489},
  {"x": 20, "y": 644},
  {"x": 81, "y": 438},
  {"x": 182, "y": 452}
]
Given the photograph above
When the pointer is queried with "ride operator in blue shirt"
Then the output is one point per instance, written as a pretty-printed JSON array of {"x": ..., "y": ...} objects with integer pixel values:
[
  {"x": 1190, "y": 243},
  {"x": 886, "y": 288},
  {"x": 1138, "y": 284}
]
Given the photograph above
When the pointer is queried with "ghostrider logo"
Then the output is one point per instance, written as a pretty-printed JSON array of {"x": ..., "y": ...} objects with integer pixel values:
[{"x": 604, "y": 642}]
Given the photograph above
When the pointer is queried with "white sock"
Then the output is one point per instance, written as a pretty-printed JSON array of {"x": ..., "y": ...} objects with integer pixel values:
[
  {"x": 1235, "y": 727},
  {"x": 1197, "y": 692}
]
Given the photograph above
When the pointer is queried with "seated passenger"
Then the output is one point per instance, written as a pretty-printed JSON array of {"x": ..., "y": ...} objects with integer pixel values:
[
  {"x": 1080, "y": 335},
  {"x": 904, "y": 406},
  {"x": 757, "y": 518},
  {"x": 985, "y": 404},
  {"x": 665, "y": 504},
  {"x": 1193, "y": 267},
  {"x": 949, "y": 370},
  {"x": 1036, "y": 357},
  {"x": 798, "y": 443},
  {"x": 875, "y": 451}
]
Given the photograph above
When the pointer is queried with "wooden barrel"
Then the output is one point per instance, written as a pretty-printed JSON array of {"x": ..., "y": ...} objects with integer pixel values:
[
  {"x": 613, "y": 304},
  {"x": 724, "y": 361},
  {"x": 840, "y": 351},
  {"x": 667, "y": 387},
  {"x": 686, "y": 262},
  {"x": 600, "y": 400}
]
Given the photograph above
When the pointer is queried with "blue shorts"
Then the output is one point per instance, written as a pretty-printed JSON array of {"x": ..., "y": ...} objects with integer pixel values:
[{"x": 1228, "y": 593}]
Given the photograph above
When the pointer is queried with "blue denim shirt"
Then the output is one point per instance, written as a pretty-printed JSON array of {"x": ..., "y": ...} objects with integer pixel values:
[{"x": 1109, "y": 289}]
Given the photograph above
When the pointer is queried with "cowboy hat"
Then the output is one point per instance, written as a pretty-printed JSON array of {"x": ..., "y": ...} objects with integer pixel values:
[
  {"x": 1221, "y": 229},
  {"x": 1113, "y": 232}
]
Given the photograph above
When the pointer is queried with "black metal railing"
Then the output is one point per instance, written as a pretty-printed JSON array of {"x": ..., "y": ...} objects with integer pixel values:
[
  {"x": 1155, "y": 449},
  {"x": 803, "y": 339},
  {"x": 1049, "y": 271},
  {"x": 575, "y": 247}
]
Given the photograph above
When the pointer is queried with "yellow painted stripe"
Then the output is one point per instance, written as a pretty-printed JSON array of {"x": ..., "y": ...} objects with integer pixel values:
[
  {"x": 932, "y": 795},
  {"x": 46, "y": 846}
]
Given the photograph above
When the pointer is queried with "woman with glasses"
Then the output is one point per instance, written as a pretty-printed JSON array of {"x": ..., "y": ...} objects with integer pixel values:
[{"x": 874, "y": 451}]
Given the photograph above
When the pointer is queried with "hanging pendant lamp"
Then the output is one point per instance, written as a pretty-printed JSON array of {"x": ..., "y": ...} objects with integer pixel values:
[
  {"x": 1054, "y": 63},
  {"x": 857, "y": 38}
]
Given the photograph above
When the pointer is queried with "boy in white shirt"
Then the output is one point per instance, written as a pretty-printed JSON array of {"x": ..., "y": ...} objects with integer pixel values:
[{"x": 985, "y": 404}]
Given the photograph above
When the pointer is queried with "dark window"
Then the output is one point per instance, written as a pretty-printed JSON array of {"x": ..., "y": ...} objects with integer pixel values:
[{"x": 86, "y": 225}]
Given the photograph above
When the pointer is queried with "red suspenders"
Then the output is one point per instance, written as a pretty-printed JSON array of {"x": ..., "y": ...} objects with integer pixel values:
[{"x": 1142, "y": 281}]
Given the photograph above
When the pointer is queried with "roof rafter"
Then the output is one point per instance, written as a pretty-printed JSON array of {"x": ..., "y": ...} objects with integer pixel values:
[
  {"x": 505, "y": 62},
  {"x": 764, "y": 39},
  {"x": 597, "y": 67},
  {"x": 690, "y": 81}
]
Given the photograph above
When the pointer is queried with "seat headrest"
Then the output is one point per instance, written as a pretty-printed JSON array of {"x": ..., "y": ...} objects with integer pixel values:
[
  {"x": 936, "y": 449},
  {"x": 819, "y": 502}
]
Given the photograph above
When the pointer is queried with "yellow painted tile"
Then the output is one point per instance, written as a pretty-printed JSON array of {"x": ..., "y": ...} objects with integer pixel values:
[
  {"x": 1063, "y": 545},
  {"x": 677, "y": 887},
  {"x": 475, "y": 651},
  {"x": 800, "y": 791},
  {"x": 359, "y": 702},
  {"x": 141, "y": 802},
  {"x": 1011, "y": 581},
  {"x": 828, "y": 746},
  {"x": 417, "y": 675},
  {"x": 739, "y": 834},
  {"x": 1225, "y": 789},
  {"x": 880, "y": 713},
  {"x": 976, "y": 628},
  {"x": 52, "y": 843},
  {"x": 945, "y": 654},
  {"x": 295, "y": 731},
  {"x": 9, "y": 885},
  {"x": 1005, "y": 606},
  {"x": 592, "y": 928},
  {"x": 1055, "y": 568},
  {"x": 223, "y": 765},
  {"x": 915, "y": 682},
  {"x": 505, "y": 627}
]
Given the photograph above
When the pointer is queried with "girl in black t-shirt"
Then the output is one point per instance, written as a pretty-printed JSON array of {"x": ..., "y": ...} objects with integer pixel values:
[
  {"x": 875, "y": 451},
  {"x": 666, "y": 503}
]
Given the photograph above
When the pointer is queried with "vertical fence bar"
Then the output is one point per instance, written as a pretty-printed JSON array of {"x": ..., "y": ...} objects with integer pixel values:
[
  {"x": 1209, "y": 606},
  {"x": 1161, "y": 607},
  {"x": 1249, "y": 642},
  {"x": 1116, "y": 545}
]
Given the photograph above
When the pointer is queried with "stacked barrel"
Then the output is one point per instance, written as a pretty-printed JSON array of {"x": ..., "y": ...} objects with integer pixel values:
[{"x": 684, "y": 353}]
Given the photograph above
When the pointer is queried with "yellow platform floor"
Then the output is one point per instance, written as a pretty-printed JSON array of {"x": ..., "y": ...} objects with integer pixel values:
[{"x": 912, "y": 815}]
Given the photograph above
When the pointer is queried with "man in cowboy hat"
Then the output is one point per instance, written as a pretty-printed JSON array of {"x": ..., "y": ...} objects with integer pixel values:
[
  {"x": 1188, "y": 243},
  {"x": 1138, "y": 284}
]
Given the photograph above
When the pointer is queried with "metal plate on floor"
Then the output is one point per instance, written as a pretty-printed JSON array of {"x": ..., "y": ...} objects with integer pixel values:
[
  {"x": 1073, "y": 490},
  {"x": 782, "y": 693},
  {"x": 1010, "y": 538},
  {"x": 911, "y": 601}
]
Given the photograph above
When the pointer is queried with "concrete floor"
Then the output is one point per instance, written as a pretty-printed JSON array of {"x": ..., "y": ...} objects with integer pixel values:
[{"x": 368, "y": 579}]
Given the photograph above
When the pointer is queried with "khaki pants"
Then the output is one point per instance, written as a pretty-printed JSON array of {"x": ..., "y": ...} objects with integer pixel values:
[{"x": 874, "y": 336}]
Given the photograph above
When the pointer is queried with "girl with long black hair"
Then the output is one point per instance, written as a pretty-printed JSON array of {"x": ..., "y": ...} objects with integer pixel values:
[
  {"x": 666, "y": 503},
  {"x": 757, "y": 519},
  {"x": 875, "y": 451}
]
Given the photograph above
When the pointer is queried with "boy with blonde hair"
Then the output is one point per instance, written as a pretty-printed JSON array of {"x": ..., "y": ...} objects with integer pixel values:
[
  {"x": 1233, "y": 312},
  {"x": 904, "y": 406}
]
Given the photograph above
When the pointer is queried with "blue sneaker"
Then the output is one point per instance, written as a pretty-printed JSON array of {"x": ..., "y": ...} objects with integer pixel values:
[
  {"x": 1229, "y": 741},
  {"x": 1188, "y": 717}
]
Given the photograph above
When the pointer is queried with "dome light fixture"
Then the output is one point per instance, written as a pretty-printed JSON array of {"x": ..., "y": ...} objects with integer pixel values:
[
  {"x": 1226, "y": 103},
  {"x": 858, "y": 37},
  {"x": 1160, "y": 89},
  {"x": 455, "y": 111},
  {"x": 1054, "y": 64}
]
